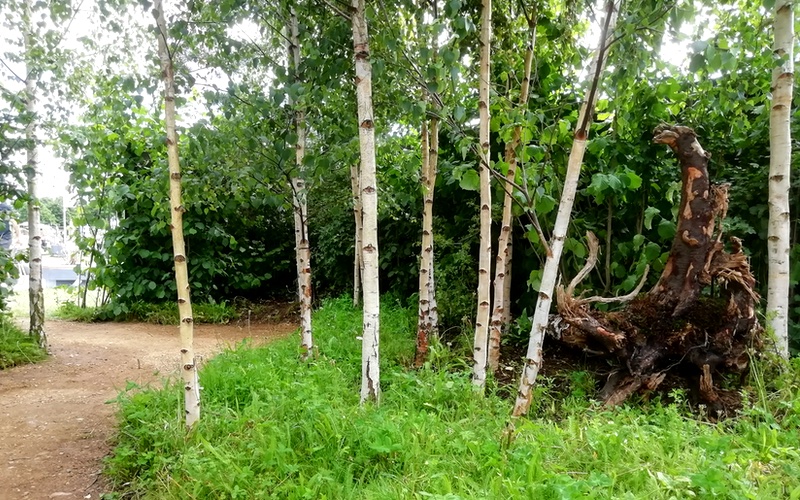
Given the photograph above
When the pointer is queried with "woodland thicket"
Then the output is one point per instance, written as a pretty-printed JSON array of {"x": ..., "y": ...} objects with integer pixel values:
[{"x": 256, "y": 83}]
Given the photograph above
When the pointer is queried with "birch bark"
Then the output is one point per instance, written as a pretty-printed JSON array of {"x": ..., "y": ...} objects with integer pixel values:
[
  {"x": 300, "y": 200},
  {"x": 423, "y": 332},
  {"x": 780, "y": 162},
  {"x": 35, "y": 288},
  {"x": 370, "y": 349},
  {"x": 481, "y": 343},
  {"x": 426, "y": 327},
  {"x": 502, "y": 266},
  {"x": 427, "y": 324},
  {"x": 542, "y": 312},
  {"x": 188, "y": 362}
]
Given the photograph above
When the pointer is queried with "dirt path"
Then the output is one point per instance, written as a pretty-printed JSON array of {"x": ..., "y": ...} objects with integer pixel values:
[{"x": 54, "y": 421}]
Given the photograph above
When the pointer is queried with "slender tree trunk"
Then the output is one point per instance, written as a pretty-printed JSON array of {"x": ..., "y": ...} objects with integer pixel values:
[
  {"x": 507, "y": 283},
  {"x": 35, "y": 289},
  {"x": 433, "y": 314},
  {"x": 370, "y": 351},
  {"x": 433, "y": 311},
  {"x": 542, "y": 311},
  {"x": 780, "y": 162},
  {"x": 503, "y": 264},
  {"x": 426, "y": 327},
  {"x": 188, "y": 362},
  {"x": 300, "y": 201},
  {"x": 480, "y": 348},
  {"x": 355, "y": 185},
  {"x": 423, "y": 324}
]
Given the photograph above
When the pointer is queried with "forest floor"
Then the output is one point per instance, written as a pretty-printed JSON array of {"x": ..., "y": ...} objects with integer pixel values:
[{"x": 57, "y": 418}]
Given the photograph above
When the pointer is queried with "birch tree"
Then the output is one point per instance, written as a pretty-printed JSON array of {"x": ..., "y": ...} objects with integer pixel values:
[
  {"x": 780, "y": 162},
  {"x": 542, "y": 312},
  {"x": 188, "y": 362},
  {"x": 502, "y": 280},
  {"x": 370, "y": 349},
  {"x": 480, "y": 347},
  {"x": 427, "y": 325},
  {"x": 300, "y": 198},
  {"x": 35, "y": 288}
]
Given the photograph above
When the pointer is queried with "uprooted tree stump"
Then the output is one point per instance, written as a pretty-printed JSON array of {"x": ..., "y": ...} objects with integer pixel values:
[{"x": 675, "y": 326}]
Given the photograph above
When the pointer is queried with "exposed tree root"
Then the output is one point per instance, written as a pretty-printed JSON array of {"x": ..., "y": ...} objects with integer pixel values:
[{"x": 674, "y": 327}]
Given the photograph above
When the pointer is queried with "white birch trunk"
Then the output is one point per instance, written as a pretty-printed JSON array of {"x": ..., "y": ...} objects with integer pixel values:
[
  {"x": 355, "y": 184},
  {"x": 502, "y": 265},
  {"x": 433, "y": 313},
  {"x": 542, "y": 312},
  {"x": 433, "y": 159},
  {"x": 188, "y": 362},
  {"x": 370, "y": 351},
  {"x": 426, "y": 249},
  {"x": 480, "y": 348},
  {"x": 300, "y": 201},
  {"x": 780, "y": 161},
  {"x": 507, "y": 283},
  {"x": 35, "y": 288},
  {"x": 425, "y": 326}
]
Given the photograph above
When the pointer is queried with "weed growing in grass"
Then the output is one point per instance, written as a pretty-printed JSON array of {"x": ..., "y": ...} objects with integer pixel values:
[
  {"x": 16, "y": 347},
  {"x": 275, "y": 427}
]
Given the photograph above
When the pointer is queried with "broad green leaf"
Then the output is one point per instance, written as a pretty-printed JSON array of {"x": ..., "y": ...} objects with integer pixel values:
[
  {"x": 652, "y": 251},
  {"x": 666, "y": 229},
  {"x": 470, "y": 181},
  {"x": 633, "y": 180}
]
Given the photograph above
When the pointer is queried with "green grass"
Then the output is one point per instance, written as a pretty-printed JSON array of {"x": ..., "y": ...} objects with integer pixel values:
[
  {"x": 274, "y": 427},
  {"x": 161, "y": 314},
  {"x": 16, "y": 347}
]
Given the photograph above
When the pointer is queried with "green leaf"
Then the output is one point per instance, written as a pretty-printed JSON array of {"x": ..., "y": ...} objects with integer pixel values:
[
  {"x": 470, "y": 181},
  {"x": 629, "y": 283},
  {"x": 649, "y": 213},
  {"x": 697, "y": 63},
  {"x": 652, "y": 251},
  {"x": 634, "y": 181},
  {"x": 666, "y": 229},
  {"x": 545, "y": 204}
]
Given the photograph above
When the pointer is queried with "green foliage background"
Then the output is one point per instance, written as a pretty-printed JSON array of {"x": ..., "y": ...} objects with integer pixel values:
[{"x": 238, "y": 142}]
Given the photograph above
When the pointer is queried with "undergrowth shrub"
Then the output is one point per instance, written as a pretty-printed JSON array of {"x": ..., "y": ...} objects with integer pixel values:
[
  {"x": 276, "y": 427},
  {"x": 165, "y": 313}
]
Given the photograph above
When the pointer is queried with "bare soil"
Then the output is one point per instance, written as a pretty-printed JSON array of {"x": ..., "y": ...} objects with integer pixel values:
[{"x": 57, "y": 417}]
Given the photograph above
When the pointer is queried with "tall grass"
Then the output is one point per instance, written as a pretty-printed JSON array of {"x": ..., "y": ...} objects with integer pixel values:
[
  {"x": 275, "y": 427},
  {"x": 16, "y": 347}
]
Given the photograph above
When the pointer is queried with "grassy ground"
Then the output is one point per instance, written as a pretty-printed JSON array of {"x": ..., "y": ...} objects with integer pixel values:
[
  {"x": 274, "y": 427},
  {"x": 16, "y": 347}
]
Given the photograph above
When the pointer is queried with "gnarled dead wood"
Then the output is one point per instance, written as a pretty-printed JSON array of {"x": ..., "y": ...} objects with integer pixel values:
[{"x": 674, "y": 327}]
